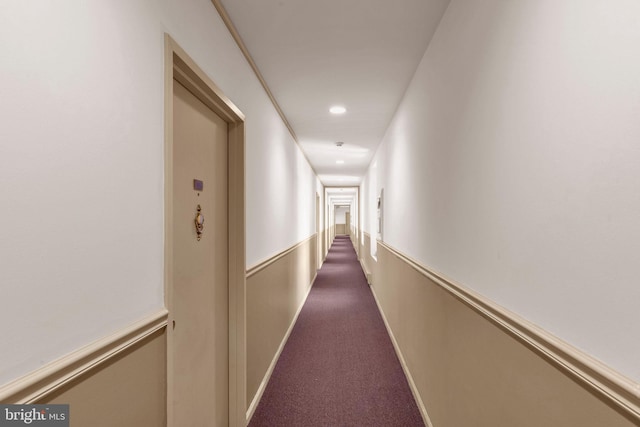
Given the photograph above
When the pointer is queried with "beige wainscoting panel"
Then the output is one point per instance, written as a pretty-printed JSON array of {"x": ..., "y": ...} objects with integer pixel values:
[
  {"x": 366, "y": 260},
  {"x": 37, "y": 385},
  {"x": 313, "y": 259},
  {"x": 469, "y": 371},
  {"x": 128, "y": 390},
  {"x": 276, "y": 291},
  {"x": 323, "y": 236}
]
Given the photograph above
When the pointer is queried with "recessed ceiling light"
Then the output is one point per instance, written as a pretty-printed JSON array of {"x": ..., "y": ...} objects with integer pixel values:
[
  {"x": 340, "y": 162},
  {"x": 337, "y": 109}
]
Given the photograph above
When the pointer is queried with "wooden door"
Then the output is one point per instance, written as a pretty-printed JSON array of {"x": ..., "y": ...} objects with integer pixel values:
[{"x": 199, "y": 360}]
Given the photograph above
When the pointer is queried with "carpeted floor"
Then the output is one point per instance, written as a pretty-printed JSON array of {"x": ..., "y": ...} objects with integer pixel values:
[{"x": 338, "y": 367}]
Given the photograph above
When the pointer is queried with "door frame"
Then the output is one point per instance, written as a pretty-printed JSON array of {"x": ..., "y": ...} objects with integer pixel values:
[
  {"x": 318, "y": 232},
  {"x": 179, "y": 66}
]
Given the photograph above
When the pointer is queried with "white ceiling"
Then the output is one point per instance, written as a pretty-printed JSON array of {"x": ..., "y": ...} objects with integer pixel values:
[{"x": 360, "y": 54}]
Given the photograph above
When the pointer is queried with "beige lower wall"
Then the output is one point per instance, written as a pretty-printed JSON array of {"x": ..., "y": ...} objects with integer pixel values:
[
  {"x": 366, "y": 260},
  {"x": 354, "y": 242},
  {"x": 128, "y": 390},
  {"x": 467, "y": 370},
  {"x": 313, "y": 258},
  {"x": 323, "y": 236},
  {"x": 275, "y": 293},
  {"x": 341, "y": 229}
]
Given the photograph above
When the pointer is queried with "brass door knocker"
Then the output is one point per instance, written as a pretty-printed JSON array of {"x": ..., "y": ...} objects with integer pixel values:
[{"x": 199, "y": 221}]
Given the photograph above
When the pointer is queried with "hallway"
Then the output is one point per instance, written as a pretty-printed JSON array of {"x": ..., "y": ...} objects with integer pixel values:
[
  {"x": 338, "y": 367},
  {"x": 484, "y": 153}
]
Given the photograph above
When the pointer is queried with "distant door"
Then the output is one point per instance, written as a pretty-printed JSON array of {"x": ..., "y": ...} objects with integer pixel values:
[{"x": 199, "y": 360}]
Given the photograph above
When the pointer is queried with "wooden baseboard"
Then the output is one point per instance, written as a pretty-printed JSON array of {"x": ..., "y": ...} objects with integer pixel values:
[
  {"x": 51, "y": 377},
  {"x": 405, "y": 368},
  {"x": 367, "y": 273},
  {"x": 272, "y": 365}
]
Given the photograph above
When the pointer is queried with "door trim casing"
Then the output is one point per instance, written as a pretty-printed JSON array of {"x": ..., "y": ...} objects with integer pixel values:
[{"x": 179, "y": 66}]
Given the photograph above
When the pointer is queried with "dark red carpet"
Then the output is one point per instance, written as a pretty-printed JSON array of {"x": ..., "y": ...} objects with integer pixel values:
[{"x": 338, "y": 367}]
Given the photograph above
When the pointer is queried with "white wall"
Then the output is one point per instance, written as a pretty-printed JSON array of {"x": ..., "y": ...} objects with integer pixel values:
[
  {"x": 276, "y": 170},
  {"x": 371, "y": 191},
  {"x": 365, "y": 209},
  {"x": 340, "y": 214},
  {"x": 81, "y": 166},
  {"x": 511, "y": 165}
]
